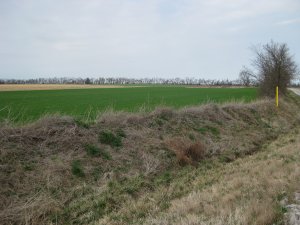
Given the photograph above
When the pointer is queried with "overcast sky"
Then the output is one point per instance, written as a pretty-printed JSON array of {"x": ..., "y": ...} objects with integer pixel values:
[{"x": 140, "y": 38}]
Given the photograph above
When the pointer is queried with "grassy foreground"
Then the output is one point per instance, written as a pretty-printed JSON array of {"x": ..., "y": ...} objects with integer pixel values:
[
  {"x": 22, "y": 106},
  {"x": 211, "y": 164},
  {"x": 246, "y": 191}
]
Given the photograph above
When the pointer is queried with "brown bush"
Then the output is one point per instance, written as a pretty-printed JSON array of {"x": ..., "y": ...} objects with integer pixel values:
[
  {"x": 187, "y": 153},
  {"x": 191, "y": 155}
]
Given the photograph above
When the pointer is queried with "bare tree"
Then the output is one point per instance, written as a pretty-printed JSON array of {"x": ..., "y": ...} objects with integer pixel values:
[
  {"x": 247, "y": 77},
  {"x": 275, "y": 66}
]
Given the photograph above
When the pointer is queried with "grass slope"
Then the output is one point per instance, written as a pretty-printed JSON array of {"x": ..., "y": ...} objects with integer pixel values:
[
  {"x": 245, "y": 191},
  {"x": 86, "y": 103},
  {"x": 209, "y": 164}
]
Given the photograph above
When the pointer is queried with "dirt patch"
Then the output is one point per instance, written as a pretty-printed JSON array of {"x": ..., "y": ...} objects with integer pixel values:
[{"x": 210, "y": 86}]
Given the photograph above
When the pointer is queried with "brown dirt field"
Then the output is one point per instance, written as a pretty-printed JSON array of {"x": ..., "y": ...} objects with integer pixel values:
[
  {"x": 208, "y": 86},
  {"x": 27, "y": 87}
]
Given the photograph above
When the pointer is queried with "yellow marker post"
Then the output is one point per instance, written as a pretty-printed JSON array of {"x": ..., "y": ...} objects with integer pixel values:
[{"x": 276, "y": 96}]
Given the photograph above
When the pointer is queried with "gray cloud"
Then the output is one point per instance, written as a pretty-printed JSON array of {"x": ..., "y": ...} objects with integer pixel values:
[
  {"x": 288, "y": 22},
  {"x": 139, "y": 38}
]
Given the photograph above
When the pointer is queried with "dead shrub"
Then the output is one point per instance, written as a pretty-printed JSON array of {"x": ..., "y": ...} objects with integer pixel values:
[
  {"x": 187, "y": 153},
  {"x": 150, "y": 163},
  {"x": 191, "y": 155}
]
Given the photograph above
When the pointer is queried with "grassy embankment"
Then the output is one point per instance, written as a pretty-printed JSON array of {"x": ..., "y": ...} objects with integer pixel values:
[
  {"x": 211, "y": 164},
  {"x": 24, "y": 106}
]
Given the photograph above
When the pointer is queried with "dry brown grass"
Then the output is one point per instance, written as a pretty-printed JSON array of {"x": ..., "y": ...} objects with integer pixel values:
[
  {"x": 27, "y": 87},
  {"x": 246, "y": 192},
  {"x": 33, "y": 211}
]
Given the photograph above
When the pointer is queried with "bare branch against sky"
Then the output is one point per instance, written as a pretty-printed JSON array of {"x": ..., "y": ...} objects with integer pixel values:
[{"x": 140, "y": 38}]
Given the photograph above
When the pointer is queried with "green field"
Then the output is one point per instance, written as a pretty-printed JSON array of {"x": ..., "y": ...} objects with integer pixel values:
[{"x": 23, "y": 106}]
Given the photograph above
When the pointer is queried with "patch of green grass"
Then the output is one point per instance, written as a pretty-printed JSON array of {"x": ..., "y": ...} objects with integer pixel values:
[
  {"x": 29, "y": 166},
  {"x": 164, "y": 178},
  {"x": 77, "y": 168},
  {"x": 121, "y": 133},
  {"x": 191, "y": 137},
  {"x": 279, "y": 214},
  {"x": 97, "y": 173},
  {"x": 93, "y": 150},
  {"x": 133, "y": 185},
  {"x": 227, "y": 157},
  {"x": 209, "y": 129},
  {"x": 105, "y": 155},
  {"x": 23, "y": 106},
  {"x": 107, "y": 202},
  {"x": 281, "y": 196},
  {"x": 107, "y": 137},
  {"x": 81, "y": 123},
  {"x": 159, "y": 122}
]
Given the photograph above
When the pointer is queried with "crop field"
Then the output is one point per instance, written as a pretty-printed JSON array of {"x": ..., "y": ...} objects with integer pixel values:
[{"x": 24, "y": 106}]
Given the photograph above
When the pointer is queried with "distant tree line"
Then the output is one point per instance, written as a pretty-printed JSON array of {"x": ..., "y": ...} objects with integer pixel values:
[
  {"x": 244, "y": 80},
  {"x": 122, "y": 81}
]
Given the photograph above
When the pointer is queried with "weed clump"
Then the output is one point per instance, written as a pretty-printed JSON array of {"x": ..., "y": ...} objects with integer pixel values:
[
  {"x": 97, "y": 173},
  {"x": 121, "y": 133},
  {"x": 77, "y": 168},
  {"x": 213, "y": 130},
  {"x": 114, "y": 140},
  {"x": 93, "y": 150},
  {"x": 30, "y": 166},
  {"x": 164, "y": 179},
  {"x": 81, "y": 123}
]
